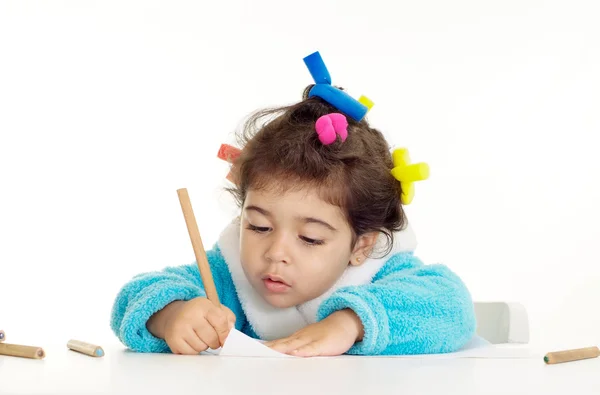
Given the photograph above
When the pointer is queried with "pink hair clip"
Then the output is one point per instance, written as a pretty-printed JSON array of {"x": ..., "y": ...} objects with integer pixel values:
[{"x": 330, "y": 125}]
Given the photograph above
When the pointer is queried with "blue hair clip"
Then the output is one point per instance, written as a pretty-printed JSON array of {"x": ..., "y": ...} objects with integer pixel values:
[{"x": 355, "y": 109}]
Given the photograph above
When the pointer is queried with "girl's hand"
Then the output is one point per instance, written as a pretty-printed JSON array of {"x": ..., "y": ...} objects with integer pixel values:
[
  {"x": 193, "y": 326},
  {"x": 332, "y": 336}
]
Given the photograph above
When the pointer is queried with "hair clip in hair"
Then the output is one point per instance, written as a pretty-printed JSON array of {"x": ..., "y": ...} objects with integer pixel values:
[
  {"x": 408, "y": 173},
  {"x": 229, "y": 154},
  {"x": 329, "y": 126},
  {"x": 355, "y": 109}
]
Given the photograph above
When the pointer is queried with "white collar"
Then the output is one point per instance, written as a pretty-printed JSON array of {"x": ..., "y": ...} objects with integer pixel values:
[{"x": 271, "y": 322}]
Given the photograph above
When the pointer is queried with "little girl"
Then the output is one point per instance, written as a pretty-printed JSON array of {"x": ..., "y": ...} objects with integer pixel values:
[{"x": 320, "y": 261}]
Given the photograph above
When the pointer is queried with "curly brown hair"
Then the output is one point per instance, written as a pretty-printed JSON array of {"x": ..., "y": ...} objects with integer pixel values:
[{"x": 281, "y": 151}]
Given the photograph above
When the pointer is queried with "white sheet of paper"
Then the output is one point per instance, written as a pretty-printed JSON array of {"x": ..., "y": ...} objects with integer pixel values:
[{"x": 241, "y": 345}]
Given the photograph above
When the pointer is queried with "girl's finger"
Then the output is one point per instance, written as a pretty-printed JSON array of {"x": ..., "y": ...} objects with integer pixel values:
[
  {"x": 218, "y": 319},
  {"x": 207, "y": 334},
  {"x": 308, "y": 350},
  {"x": 180, "y": 346},
  {"x": 194, "y": 341},
  {"x": 230, "y": 316},
  {"x": 288, "y": 345},
  {"x": 272, "y": 343}
]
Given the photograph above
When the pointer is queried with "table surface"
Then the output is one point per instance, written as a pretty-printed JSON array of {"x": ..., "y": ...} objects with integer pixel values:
[{"x": 121, "y": 371}]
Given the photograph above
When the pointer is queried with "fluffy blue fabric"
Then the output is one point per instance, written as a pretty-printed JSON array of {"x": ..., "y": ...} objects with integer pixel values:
[
  {"x": 150, "y": 292},
  {"x": 408, "y": 308}
]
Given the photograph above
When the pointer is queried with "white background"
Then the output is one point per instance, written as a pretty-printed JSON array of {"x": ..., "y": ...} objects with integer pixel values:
[{"x": 108, "y": 107}]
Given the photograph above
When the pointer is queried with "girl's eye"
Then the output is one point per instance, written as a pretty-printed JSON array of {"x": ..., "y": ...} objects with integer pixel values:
[
  {"x": 257, "y": 229},
  {"x": 312, "y": 242},
  {"x": 306, "y": 240}
]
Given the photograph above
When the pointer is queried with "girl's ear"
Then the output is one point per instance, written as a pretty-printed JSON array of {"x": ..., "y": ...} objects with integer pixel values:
[{"x": 362, "y": 249}]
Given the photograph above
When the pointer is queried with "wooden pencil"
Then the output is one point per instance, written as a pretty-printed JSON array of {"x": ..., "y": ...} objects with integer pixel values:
[
  {"x": 199, "y": 252},
  {"x": 571, "y": 355},
  {"x": 17, "y": 350},
  {"x": 85, "y": 348}
]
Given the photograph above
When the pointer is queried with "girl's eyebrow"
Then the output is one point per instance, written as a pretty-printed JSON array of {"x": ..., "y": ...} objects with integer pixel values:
[
  {"x": 259, "y": 210},
  {"x": 312, "y": 220},
  {"x": 307, "y": 220}
]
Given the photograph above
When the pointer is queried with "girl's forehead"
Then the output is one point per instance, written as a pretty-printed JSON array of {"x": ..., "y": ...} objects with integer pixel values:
[
  {"x": 273, "y": 196},
  {"x": 298, "y": 202}
]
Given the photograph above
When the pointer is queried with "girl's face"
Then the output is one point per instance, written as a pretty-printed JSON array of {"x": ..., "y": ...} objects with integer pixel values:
[{"x": 295, "y": 246}]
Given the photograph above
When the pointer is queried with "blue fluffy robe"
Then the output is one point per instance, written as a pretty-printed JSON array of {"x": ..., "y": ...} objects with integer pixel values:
[{"x": 406, "y": 307}]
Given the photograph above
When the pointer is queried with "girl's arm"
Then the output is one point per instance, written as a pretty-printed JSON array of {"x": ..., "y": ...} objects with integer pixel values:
[
  {"x": 149, "y": 293},
  {"x": 409, "y": 308}
]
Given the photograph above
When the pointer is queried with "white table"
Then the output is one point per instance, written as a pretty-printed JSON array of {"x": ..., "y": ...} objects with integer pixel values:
[{"x": 124, "y": 372}]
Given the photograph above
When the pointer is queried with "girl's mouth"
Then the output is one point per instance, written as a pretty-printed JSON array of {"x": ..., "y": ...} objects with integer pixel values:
[{"x": 275, "y": 284}]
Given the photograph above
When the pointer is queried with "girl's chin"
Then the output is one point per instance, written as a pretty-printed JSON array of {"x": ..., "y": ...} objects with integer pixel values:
[{"x": 281, "y": 300}]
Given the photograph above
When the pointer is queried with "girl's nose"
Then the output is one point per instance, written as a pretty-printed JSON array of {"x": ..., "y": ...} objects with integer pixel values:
[{"x": 278, "y": 251}]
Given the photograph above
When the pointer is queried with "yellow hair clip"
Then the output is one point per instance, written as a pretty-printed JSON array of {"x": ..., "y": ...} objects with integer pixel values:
[{"x": 408, "y": 173}]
